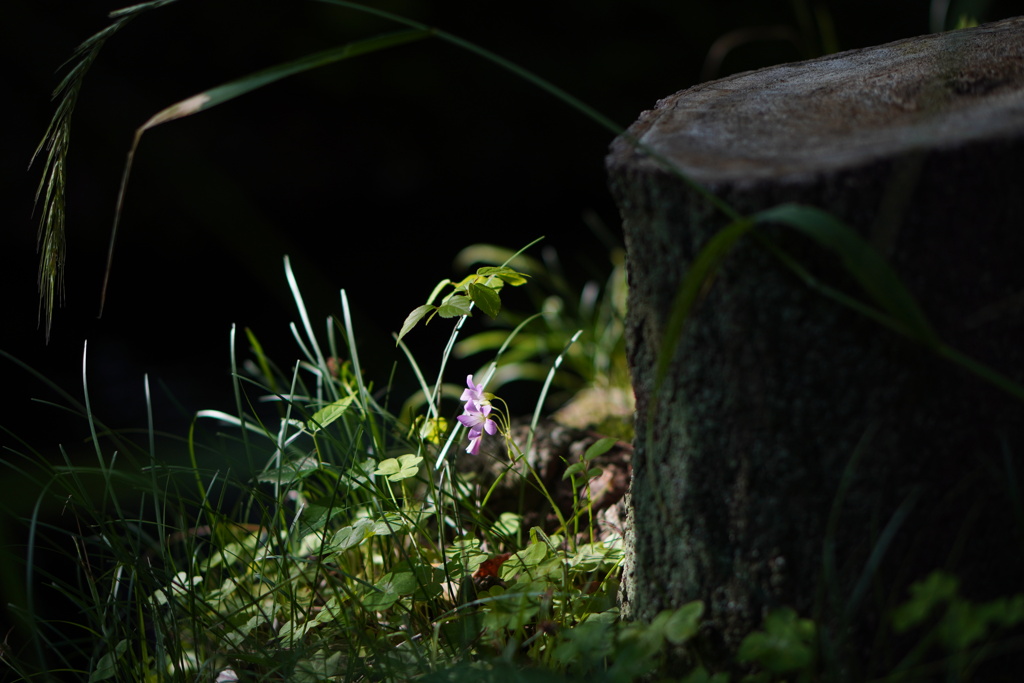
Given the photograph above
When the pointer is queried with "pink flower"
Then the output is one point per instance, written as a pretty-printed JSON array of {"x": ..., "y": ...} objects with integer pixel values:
[
  {"x": 476, "y": 415},
  {"x": 474, "y": 393}
]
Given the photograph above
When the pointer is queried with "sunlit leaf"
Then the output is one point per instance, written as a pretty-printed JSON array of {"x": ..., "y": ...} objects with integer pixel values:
[
  {"x": 351, "y": 536},
  {"x": 433, "y": 430},
  {"x": 599, "y": 448},
  {"x": 455, "y": 306},
  {"x": 413, "y": 318},
  {"x": 486, "y": 298},
  {"x": 524, "y": 560},
  {"x": 329, "y": 414},
  {"x": 402, "y": 467},
  {"x": 504, "y": 273}
]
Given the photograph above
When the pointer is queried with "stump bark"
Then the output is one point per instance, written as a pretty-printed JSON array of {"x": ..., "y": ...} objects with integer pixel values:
[{"x": 799, "y": 454}]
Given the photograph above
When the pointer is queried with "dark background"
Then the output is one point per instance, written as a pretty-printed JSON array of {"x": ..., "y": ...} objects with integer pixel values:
[{"x": 371, "y": 174}]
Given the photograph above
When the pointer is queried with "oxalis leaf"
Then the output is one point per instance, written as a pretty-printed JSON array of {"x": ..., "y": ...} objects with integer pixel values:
[
  {"x": 107, "y": 666},
  {"x": 786, "y": 644},
  {"x": 678, "y": 626},
  {"x": 402, "y": 467},
  {"x": 925, "y": 596},
  {"x": 524, "y": 560}
]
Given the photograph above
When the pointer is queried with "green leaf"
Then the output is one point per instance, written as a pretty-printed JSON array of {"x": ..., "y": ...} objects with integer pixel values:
[
  {"x": 508, "y": 524},
  {"x": 433, "y": 430},
  {"x": 524, "y": 560},
  {"x": 402, "y": 467},
  {"x": 455, "y": 306},
  {"x": 107, "y": 666},
  {"x": 937, "y": 589},
  {"x": 290, "y": 472},
  {"x": 590, "y": 557},
  {"x": 351, "y": 536},
  {"x": 421, "y": 581},
  {"x": 486, "y": 298},
  {"x": 684, "y": 622},
  {"x": 599, "y": 448},
  {"x": 964, "y": 624},
  {"x": 783, "y": 646},
  {"x": 578, "y": 467},
  {"x": 504, "y": 273},
  {"x": 701, "y": 675},
  {"x": 574, "y": 469},
  {"x": 388, "y": 523},
  {"x": 329, "y": 414},
  {"x": 404, "y": 583},
  {"x": 381, "y": 596},
  {"x": 413, "y": 318}
]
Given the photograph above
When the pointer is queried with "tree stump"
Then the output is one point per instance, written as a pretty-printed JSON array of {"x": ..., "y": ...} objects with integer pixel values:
[{"x": 797, "y": 453}]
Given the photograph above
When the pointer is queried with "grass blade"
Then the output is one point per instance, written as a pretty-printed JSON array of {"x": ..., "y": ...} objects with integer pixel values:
[
  {"x": 699, "y": 273},
  {"x": 56, "y": 141},
  {"x": 229, "y": 91},
  {"x": 863, "y": 262}
]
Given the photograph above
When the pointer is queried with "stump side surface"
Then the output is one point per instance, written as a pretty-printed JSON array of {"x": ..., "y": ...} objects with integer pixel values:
[{"x": 778, "y": 397}]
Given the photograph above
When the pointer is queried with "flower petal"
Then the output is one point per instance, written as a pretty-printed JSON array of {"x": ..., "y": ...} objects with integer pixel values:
[{"x": 475, "y": 392}]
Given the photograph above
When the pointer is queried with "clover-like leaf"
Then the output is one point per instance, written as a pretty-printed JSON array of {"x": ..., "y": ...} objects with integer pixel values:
[
  {"x": 524, "y": 559},
  {"x": 937, "y": 589},
  {"x": 684, "y": 622},
  {"x": 402, "y": 467},
  {"x": 107, "y": 666},
  {"x": 786, "y": 644},
  {"x": 351, "y": 536},
  {"x": 381, "y": 596},
  {"x": 433, "y": 430}
]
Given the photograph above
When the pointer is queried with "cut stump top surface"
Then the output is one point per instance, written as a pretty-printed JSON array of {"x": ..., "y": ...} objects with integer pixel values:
[{"x": 842, "y": 110}]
